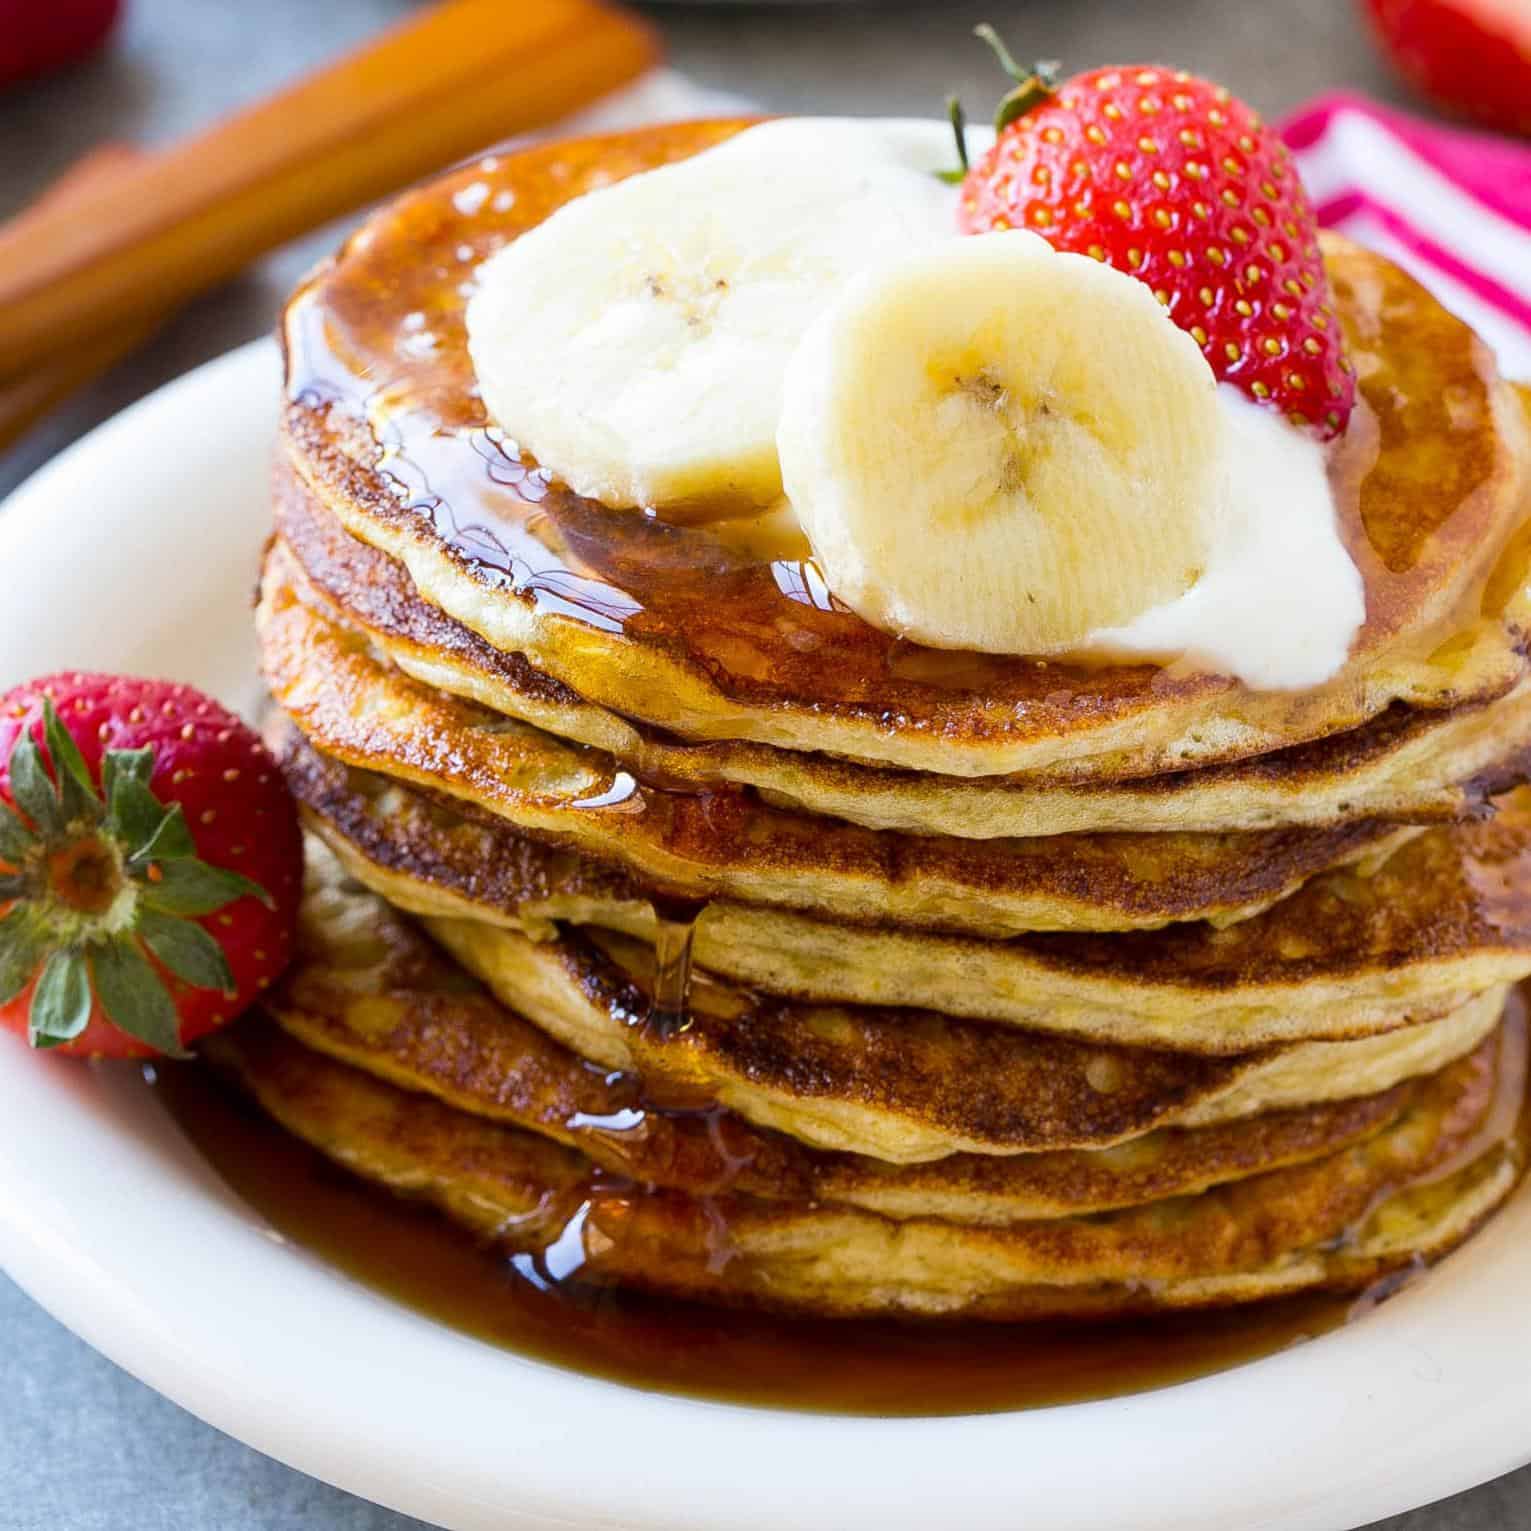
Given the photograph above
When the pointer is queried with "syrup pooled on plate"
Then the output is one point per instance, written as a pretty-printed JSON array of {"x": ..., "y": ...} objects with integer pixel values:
[
  {"x": 537, "y": 1305},
  {"x": 529, "y": 1304}
]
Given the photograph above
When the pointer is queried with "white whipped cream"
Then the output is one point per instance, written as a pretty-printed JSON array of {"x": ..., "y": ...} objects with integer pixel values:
[{"x": 1280, "y": 601}]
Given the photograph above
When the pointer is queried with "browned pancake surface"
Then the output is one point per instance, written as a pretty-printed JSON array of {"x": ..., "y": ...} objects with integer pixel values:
[
  {"x": 668, "y": 619},
  {"x": 371, "y": 991},
  {"x": 1408, "y": 1192},
  {"x": 1444, "y": 919},
  {"x": 728, "y": 842},
  {"x": 1411, "y": 765}
]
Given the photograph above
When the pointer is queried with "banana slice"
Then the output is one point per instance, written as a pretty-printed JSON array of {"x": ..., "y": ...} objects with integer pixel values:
[
  {"x": 635, "y": 342},
  {"x": 993, "y": 445}
]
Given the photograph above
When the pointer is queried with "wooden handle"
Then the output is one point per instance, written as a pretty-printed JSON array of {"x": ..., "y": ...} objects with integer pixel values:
[
  {"x": 459, "y": 76},
  {"x": 26, "y": 400}
]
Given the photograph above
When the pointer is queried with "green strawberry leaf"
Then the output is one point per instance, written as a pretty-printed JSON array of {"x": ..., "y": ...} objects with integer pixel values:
[
  {"x": 76, "y": 790},
  {"x": 958, "y": 119},
  {"x": 171, "y": 841},
  {"x": 15, "y": 838},
  {"x": 187, "y": 950},
  {"x": 22, "y": 951},
  {"x": 193, "y": 888},
  {"x": 136, "y": 813},
  {"x": 138, "y": 764},
  {"x": 32, "y": 788},
  {"x": 61, "y": 1001},
  {"x": 134, "y": 997}
]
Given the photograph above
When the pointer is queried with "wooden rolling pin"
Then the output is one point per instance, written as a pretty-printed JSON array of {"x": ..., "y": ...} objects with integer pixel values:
[{"x": 458, "y": 76}]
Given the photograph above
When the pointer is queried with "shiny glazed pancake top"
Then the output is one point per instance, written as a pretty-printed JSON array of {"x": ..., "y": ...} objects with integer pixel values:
[
  {"x": 731, "y": 844},
  {"x": 1409, "y": 764},
  {"x": 687, "y": 628}
]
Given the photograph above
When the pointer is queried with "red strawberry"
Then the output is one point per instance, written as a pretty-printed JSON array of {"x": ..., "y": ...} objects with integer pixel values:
[
  {"x": 150, "y": 865},
  {"x": 1472, "y": 57},
  {"x": 38, "y": 36},
  {"x": 1174, "y": 180}
]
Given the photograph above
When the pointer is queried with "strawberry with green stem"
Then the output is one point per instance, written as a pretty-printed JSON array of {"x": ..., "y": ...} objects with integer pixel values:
[
  {"x": 1177, "y": 182},
  {"x": 150, "y": 865}
]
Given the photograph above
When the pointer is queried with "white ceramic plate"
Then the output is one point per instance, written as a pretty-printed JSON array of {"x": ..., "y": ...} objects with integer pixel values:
[{"x": 136, "y": 551}]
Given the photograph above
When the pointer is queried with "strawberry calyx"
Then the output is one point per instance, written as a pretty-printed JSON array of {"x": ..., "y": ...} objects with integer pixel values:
[
  {"x": 1032, "y": 86},
  {"x": 958, "y": 119},
  {"x": 100, "y": 892}
]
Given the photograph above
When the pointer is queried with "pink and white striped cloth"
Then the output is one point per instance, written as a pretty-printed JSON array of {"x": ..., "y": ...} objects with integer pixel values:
[{"x": 1452, "y": 206}]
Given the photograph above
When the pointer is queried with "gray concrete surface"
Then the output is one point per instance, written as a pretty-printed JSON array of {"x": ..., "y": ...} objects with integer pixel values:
[{"x": 83, "y": 1447}]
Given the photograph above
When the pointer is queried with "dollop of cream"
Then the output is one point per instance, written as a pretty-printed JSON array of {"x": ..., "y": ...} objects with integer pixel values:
[{"x": 1281, "y": 600}]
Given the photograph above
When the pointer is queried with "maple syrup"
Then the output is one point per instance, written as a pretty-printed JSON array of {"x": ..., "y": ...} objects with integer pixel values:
[
  {"x": 536, "y": 1304},
  {"x": 379, "y": 339},
  {"x": 670, "y": 1005},
  {"x": 528, "y": 1304}
]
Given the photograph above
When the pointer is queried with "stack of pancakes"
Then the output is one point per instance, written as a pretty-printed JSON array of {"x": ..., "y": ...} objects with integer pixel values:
[{"x": 1020, "y": 988}]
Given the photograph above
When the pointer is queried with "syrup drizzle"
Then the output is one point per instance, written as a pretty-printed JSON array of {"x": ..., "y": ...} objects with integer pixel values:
[
  {"x": 641, "y": 1109},
  {"x": 669, "y": 1012},
  {"x": 637, "y": 1106},
  {"x": 380, "y": 337},
  {"x": 559, "y": 1260}
]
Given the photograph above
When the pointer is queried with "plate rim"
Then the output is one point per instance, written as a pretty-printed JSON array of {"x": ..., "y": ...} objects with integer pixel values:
[{"x": 1414, "y": 1404}]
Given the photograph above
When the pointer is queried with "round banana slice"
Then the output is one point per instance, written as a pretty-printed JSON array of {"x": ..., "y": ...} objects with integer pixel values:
[
  {"x": 635, "y": 342},
  {"x": 993, "y": 445}
]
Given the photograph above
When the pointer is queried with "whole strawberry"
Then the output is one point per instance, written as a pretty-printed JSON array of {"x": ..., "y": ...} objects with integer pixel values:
[
  {"x": 1174, "y": 180},
  {"x": 150, "y": 865},
  {"x": 39, "y": 36},
  {"x": 1472, "y": 57}
]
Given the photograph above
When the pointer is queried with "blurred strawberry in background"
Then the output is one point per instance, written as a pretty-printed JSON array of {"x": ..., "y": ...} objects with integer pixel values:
[
  {"x": 39, "y": 36},
  {"x": 1471, "y": 57}
]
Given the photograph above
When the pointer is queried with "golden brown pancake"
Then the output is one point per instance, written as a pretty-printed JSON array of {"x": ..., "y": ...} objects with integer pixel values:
[
  {"x": 1023, "y": 989},
  {"x": 1410, "y": 1190},
  {"x": 905, "y": 1085},
  {"x": 902, "y": 1086},
  {"x": 1410, "y": 765},
  {"x": 678, "y": 626},
  {"x": 1447, "y": 917},
  {"x": 728, "y": 843},
  {"x": 369, "y": 990}
]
